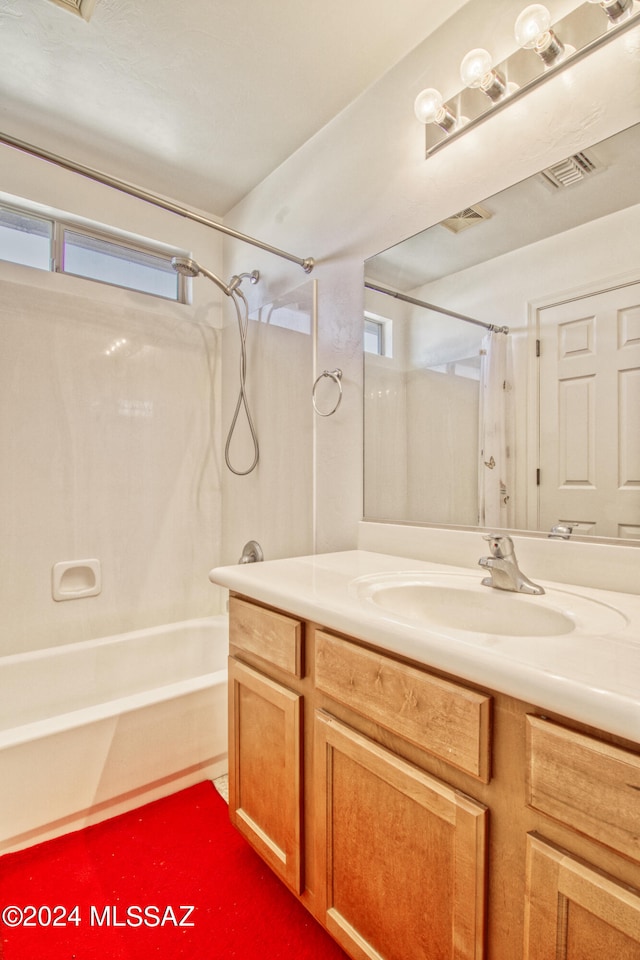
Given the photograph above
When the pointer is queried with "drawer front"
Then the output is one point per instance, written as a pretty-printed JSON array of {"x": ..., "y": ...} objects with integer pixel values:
[
  {"x": 445, "y": 719},
  {"x": 271, "y": 636},
  {"x": 590, "y": 785}
]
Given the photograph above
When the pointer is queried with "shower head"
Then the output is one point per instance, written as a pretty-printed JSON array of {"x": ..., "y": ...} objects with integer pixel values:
[
  {"x": 185, "y": 267},
  {"x": 190, "y": 268}
]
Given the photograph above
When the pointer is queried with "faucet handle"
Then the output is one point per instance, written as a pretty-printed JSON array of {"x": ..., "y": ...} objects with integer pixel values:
[
  {"x": 562, "y": 531},
  {"x": 251, "y": 552},
  {"x": 500, "y": 545}
]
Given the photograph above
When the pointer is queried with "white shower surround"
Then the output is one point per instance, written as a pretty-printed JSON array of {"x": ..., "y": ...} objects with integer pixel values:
[{"x": 110, "y": 428}]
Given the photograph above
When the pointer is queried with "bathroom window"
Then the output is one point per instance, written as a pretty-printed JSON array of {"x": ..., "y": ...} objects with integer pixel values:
[
  {"x": 377, "y": 336},
  {"x": 25, "y": 239},
  {"x": 84, "y": 255},
  {"x": 55, "y": 244}
]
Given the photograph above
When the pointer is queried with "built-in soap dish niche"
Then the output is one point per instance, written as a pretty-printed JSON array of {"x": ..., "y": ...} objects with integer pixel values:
[{"x": 72, "y": 579}]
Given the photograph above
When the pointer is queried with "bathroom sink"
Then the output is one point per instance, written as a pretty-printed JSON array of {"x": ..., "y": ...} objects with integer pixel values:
[{"x": 460, "y": 602}]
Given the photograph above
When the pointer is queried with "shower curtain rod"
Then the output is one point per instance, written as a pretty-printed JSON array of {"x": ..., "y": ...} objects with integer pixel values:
[
  {"x": 430, "y": 306},
  {"x": 307, "y": 263}
]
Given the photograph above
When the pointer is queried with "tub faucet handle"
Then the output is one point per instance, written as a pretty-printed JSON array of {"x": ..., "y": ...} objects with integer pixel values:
[{"x": 251, "y": 552}]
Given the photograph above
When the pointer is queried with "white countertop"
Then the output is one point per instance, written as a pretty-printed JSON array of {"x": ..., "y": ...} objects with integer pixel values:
[{"x": 590, "y": 677}]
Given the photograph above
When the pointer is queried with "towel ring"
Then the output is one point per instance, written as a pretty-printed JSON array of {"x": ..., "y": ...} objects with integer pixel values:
[{"x": 336, "y": 376}]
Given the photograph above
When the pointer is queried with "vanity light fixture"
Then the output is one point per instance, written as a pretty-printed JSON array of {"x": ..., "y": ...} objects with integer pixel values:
[
  {"x": 476, "y": 71},
  {"x": 533, "y": 32},
  {"x": 489, "y": 87}
]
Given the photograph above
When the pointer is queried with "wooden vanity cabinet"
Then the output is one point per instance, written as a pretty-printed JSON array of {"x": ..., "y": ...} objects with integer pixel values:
[{"x": 420, "y": 819}]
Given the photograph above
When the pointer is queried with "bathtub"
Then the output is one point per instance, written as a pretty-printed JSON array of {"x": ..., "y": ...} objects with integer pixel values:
[{"x": 89, "y": 730}]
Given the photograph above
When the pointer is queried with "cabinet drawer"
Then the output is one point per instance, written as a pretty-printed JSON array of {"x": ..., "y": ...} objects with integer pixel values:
[
  {"x": 592, "y": 786},
  {"x": 272, "y": 636},
  {"x": 443, "y": 718}
]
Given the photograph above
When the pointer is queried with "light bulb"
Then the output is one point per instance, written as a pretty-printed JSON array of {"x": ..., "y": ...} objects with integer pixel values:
[
  {"x": 476, "y": 72},
  {"x": 533, "y": 22},
  {"x": 429, "y": 107},
  {"x": 475, "y": 66},
  {"x": 616, "y": 10},
  {"x": 428, "y": 104},
  {"x": 533, "y": 32}
]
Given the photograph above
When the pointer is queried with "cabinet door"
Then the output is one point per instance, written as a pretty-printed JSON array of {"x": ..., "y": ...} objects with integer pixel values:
[
  {"x": 265, "y": 766},
  {"x": 402, "y": 855},
  {"x": 574, "y": 912}
]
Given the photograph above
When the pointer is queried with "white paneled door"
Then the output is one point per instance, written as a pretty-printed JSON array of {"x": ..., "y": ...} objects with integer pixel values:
[{"x": 590, "y": 413}]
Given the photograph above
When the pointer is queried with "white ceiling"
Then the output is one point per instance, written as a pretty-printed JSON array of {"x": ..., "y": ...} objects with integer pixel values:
[{"x": 197, "y": 100}]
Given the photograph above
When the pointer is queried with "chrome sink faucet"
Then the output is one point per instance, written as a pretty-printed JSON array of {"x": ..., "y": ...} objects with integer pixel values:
[{"x": 505, "y": 574}]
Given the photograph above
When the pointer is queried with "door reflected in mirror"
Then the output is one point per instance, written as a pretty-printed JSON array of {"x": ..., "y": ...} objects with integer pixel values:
[{"x": 531, "y": 429}]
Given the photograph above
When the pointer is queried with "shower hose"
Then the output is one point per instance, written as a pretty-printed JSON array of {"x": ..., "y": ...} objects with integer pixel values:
[{"x": 242, "y": 314}]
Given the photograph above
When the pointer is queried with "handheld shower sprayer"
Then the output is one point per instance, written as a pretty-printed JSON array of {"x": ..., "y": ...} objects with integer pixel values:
[{"x": 190, "y": 268}]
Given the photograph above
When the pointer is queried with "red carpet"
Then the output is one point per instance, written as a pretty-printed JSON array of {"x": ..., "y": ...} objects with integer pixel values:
[{"x": 176, "y": 853}]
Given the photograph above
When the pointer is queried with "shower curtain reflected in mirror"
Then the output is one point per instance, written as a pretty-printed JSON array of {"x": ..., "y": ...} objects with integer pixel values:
[{"x": 495, "y": 440}]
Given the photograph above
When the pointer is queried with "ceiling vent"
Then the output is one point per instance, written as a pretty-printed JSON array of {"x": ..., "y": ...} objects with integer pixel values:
[
  {"x": 466, "y": 218},
  {"x": 83, "y": 8},
  {"x": 572, "y": 170}
]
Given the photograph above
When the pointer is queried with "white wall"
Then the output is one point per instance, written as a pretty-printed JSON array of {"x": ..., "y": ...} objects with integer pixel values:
[
  {"x": 107, "y": 452},
  {"x": 362, "y": 184}
]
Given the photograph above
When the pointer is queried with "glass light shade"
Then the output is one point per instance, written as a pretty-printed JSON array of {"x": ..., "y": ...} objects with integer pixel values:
[
  {"x": 532, "y": 23},
  {"x": 476, "y": 65},
  {"x": 428, "y": 105}
]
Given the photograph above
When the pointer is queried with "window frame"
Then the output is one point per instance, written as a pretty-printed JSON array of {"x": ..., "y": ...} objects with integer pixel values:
[
  {"x": 30, "y": 215},
  {"x": 384, "y": 327},
  {"x": 61, "y": 224}
]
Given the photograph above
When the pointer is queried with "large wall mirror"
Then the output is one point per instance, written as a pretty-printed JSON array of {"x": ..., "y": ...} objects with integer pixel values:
[{"x": 534, "y": 428}]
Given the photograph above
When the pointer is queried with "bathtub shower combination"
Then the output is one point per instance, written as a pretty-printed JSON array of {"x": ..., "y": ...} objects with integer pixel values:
[{"x": 91, "y": 729}]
